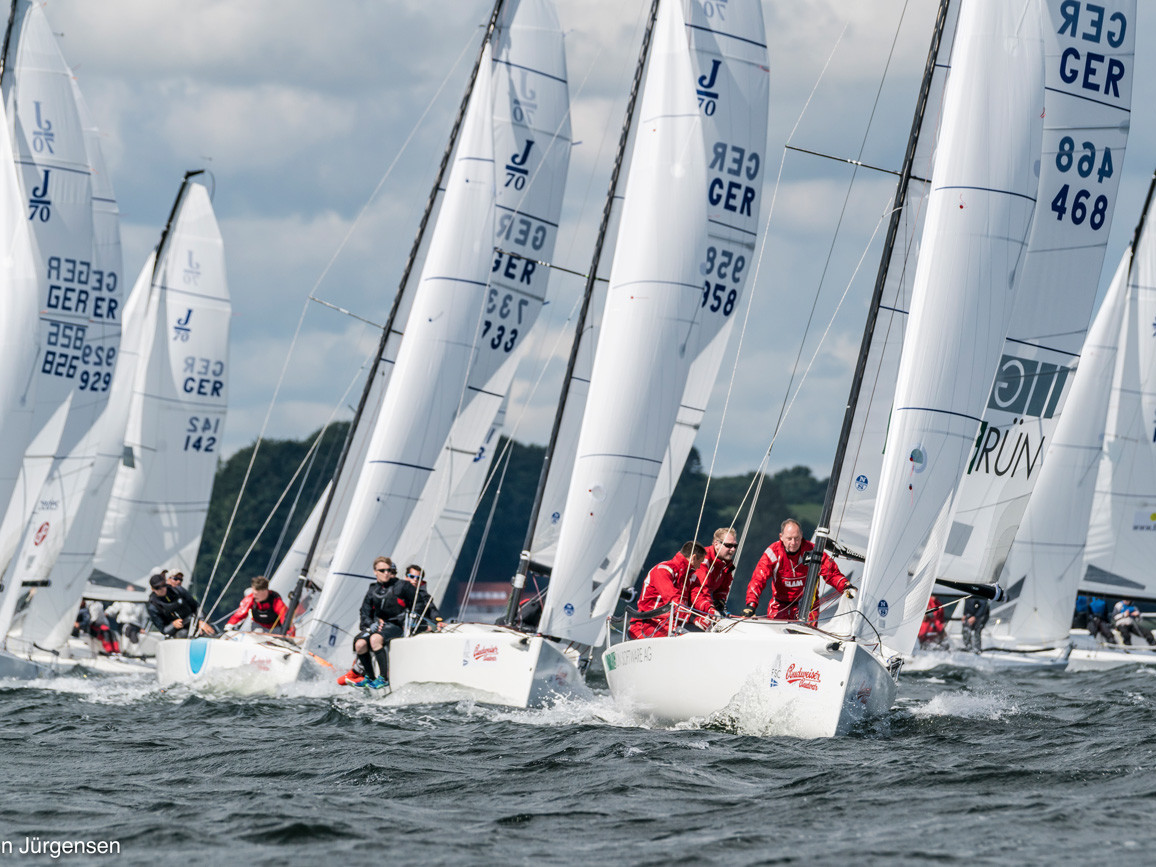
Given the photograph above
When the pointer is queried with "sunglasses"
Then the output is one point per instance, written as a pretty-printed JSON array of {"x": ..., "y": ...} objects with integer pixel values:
[
  {"x": 730, "y": 544},
  {"x": 412, "y": 575},
  {"x": 382, "y": 569}
]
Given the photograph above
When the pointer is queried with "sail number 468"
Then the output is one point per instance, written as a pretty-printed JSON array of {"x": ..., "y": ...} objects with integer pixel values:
[{"x": 1086, "y": 164}]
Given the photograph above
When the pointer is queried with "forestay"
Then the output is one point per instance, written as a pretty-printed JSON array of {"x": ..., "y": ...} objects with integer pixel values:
[
  {"x": 177, "y": 419},
  {"x": 858, "y": 480},
  {"x": 650, "y": 322},
  {"x": 979, "y": 211},
  {"x": 1088, "y": 76}
]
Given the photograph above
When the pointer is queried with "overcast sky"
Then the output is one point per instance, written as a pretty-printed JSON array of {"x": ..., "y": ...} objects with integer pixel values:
[{"x": 299, "y": 110}]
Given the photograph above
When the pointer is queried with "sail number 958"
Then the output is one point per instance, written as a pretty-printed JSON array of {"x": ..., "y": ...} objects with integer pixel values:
[{"x": 723, "y": 265}]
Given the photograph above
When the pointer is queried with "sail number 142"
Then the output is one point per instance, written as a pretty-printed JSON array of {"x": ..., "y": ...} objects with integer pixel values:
[{"x": 201, "y": 434}]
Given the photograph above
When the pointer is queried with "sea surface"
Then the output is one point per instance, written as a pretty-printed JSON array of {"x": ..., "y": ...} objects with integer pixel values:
[{"x": 971, "y": 767}]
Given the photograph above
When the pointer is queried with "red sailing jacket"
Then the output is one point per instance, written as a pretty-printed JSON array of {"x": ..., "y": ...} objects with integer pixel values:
[
  {"x": 711, "y": 583},
  {"x": 265, "y": 614},
  {"x": 665, "y": 583},
  {"x": 788, "y": 574}
]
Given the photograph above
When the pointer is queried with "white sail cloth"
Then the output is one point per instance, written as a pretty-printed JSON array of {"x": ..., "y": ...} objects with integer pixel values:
[
  {"x": 1045, "y": 563},
  {"x": 177, "y": 419},
  {"x": 426, "y": 385},
  {"x": 1085, "y": 133},
  {"x": 979, "y": 212},
  {"x": 651, "y": 317}
]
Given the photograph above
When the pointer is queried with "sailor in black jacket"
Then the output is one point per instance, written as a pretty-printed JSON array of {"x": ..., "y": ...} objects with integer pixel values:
[
  {"x": 383, "y": 616},
  {"x": 171, "y": 608}
]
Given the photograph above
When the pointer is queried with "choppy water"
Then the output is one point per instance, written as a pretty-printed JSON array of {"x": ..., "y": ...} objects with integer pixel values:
[{"x": 971, "y": 767}]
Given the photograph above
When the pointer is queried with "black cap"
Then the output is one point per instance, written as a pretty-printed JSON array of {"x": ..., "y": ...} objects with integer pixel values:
[{"x": 157, "y": 580}]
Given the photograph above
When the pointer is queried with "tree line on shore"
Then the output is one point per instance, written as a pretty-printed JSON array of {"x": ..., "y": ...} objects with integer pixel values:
[{"x": 791, "y": 492}]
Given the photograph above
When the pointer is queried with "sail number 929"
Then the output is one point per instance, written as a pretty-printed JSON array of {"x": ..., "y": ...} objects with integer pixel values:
[{"x": 1078, "y": 209}]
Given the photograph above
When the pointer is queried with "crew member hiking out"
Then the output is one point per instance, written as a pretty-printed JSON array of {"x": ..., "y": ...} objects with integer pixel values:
[{"x": 784, "y": 565}]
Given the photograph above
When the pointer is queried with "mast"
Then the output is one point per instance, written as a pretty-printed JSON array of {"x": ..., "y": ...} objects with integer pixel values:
[
  {"x": 7, "y": 37},
  {"x": 295, "y": 596},
  {"x": 823, "y": 531},
  {"x": 518, "y": 582}
]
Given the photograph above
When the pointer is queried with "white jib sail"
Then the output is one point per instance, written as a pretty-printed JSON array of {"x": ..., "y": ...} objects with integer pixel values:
[
  {"x": 729, "y": 56},
  {"x": 1046, "y": 560},
  {"x": 1085, "y": 132},
  {"x": 652, "y": 317},
  {"x": 428, "y": 378},
  {"x": 177, "y": 419},
  {"x": 1121, "y": 548},
  {"x": 532, "y": 150},
  {"x": 858, "y": 481},
  {"x": 979, "y": 212}
]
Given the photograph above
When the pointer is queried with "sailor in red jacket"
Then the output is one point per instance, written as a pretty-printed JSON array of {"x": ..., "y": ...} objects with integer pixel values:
[
  {"x": 783, "y": 564},
  {"x": 665, "y": 583},
  {"x": 711, "y": 583},
  {"x": 264, "y": 606}
]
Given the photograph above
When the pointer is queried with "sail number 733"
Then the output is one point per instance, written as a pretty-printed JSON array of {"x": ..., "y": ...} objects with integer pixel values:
[{"x": 1077, "y": 210}]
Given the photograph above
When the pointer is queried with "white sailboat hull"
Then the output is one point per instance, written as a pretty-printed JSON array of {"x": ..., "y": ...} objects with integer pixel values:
[
  {"x": 1089, "y": 655},
  {"x": 496, "y": 664},
  {"x": 1046, "y": 659},
  {"x": 243, "y": 662},
  {"x": 801, "y": 681},
  {"x": 13, "y": 667}
]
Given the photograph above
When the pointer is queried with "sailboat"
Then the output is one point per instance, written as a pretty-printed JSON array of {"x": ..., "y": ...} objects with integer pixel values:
[
  {"x": 454, "y": 334},
  {"x": 661, "y": 333},
  {"x": 72, "y": 217},
  {"x": 1085, "y": 526},
  {"x": 1084, "y": 146},
  {"x": 821, "y": 681},
  {"x": 176, "y": 416}
]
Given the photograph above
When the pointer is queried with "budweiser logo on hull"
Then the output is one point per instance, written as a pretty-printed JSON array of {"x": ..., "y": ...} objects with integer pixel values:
[{"x": 803, "y": 678}]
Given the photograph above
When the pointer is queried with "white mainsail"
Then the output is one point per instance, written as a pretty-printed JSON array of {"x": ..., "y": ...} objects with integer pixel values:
[
  {"x": 177, "y": 418},
  {"x": 1085, "y": 133},
  {"x": 1045, "y": 563},
  {"x": 979, "y": 212},
  {"x": 425, "y": 387},
  {"x": 531, "y": 127},
  {"x": 648, "y": 334}
]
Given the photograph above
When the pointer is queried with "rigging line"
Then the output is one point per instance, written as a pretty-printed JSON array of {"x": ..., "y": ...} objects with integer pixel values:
[
  {"x": 756, "y": 483},
  {"x": 507, "y": 454},
  {"x": 751, "y": 294},
  {"x": 344, "y": 310},
  {"x": 284, "y": 493},
  {"x": 848, "y": 160},
  {"x": 296, "y": 334}
]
